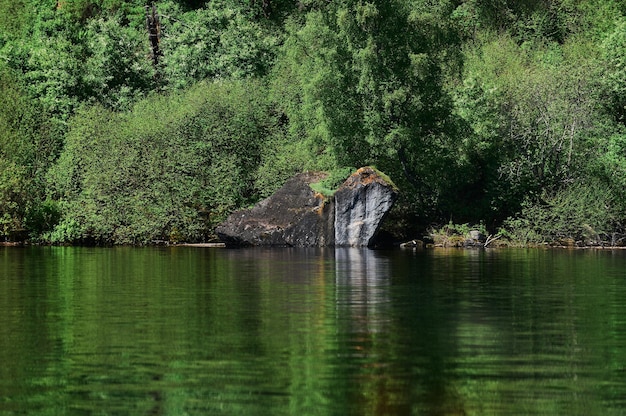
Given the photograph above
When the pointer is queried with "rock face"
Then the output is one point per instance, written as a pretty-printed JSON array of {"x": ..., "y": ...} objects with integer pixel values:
[
  {"x": 361, "y": 204},
  {"x": 293, "y": 216},
  {"x": 297, "y": 216}
]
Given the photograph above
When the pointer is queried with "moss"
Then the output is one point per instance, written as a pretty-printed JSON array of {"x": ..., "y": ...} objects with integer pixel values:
[
  {"x": 385, "y": 177},
  {"x": 329, "y": 185},
  {"x": 335, "y": 178}
]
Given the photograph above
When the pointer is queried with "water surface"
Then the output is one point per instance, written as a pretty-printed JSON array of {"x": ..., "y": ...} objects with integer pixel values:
[{"x": 197, "y": 331}]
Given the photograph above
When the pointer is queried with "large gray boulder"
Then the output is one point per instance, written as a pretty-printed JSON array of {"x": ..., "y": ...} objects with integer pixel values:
[
  {"x": 300, "y": 217},
  {"x": 361, "y": 204},
  {"x": 293, "y": 216}
]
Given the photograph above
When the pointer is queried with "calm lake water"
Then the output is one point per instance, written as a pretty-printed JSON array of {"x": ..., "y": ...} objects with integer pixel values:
[{"x": 200, "y": 331}]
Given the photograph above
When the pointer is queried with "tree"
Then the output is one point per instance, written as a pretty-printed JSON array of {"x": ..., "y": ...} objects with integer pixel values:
[
  {"x": 614, "y": 49},
  {"x": 370, "y": 83},
  {"x": 28, "y": 146},
  {"x": 116, "y": 70},
  {"x": 216, "y": 42},
  {"x": 537, "y": 128}
]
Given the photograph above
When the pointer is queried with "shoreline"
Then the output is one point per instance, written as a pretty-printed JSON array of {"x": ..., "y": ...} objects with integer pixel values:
[
  {"x": 401, "y": 247},
  {"x": 27, "y": 244}
]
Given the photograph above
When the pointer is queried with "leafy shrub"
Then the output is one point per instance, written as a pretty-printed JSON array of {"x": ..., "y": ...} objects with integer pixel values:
[
  {"x": 582, "y": 212},
  {"x": 218, "y": 41},
  {"x": 42, "y": 217},
  {"x": 13, "y": 185},
  {"x": 173, "y": 167},
  {"x": 454, "y": 235}
]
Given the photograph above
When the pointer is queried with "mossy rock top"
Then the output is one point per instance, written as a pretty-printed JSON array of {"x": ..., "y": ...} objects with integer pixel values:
[{"x": 332, "y": 181}]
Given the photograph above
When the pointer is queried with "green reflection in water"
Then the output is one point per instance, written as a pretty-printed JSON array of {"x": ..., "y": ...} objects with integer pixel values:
[{"x": 311, "y": 332}]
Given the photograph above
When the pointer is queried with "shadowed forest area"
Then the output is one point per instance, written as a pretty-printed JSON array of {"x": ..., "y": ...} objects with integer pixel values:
[{"x": 123, "y": 122}]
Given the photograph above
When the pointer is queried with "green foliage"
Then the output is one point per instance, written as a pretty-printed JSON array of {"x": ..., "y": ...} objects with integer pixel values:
[
  {"x": 328, "y": 186},
  {"x": 610, "y": 167},
  {"x": 53, "y": 73},
  {"x": 14, "y": 18},
  {"x": 534, "y": 118},
  {"x": 281, "y": 157},
  {"x": 584, "y": 212},
  {"x": 82, "y": 11},
  {"x": 454, "y": 235},
  {"x": 451, "y": 229},
  {"x": 479, "y": 110},
  {"x": 42, "y": 218},
  {"x": 171, "y": 168},
  {"x": 13, "y": 187},
  {"x": 28, "y": 146},
  {"x": 66, "y": 60},
  {"x": 366, "y": 87},
  {"x": 217, "y": 41},
  {"x": 531, "y": 20},
  {"x": 614, "y": 80},
  {"x": 116, "y": 71}
]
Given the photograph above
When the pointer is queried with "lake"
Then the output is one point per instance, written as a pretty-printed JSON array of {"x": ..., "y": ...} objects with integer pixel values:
[{"x": 205, "y": 331}]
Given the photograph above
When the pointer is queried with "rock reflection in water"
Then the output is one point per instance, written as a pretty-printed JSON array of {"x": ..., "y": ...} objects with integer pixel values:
[
  {"x": 362, "y": 285},
  {"x": 396, "y": 340}
]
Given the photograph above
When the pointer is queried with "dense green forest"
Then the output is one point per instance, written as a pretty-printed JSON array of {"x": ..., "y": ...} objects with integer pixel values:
[{"x": 505, "y": 113}]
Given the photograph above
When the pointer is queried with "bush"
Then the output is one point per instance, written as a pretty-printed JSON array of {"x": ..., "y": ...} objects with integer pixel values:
[
  {"x": 13, "y": 185},
  {"x": 583, "y": 213},
  {"x": 42, "y": 218},
  {"x": 170, "y": 169},
  {"x": 455, "y": 235}
]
